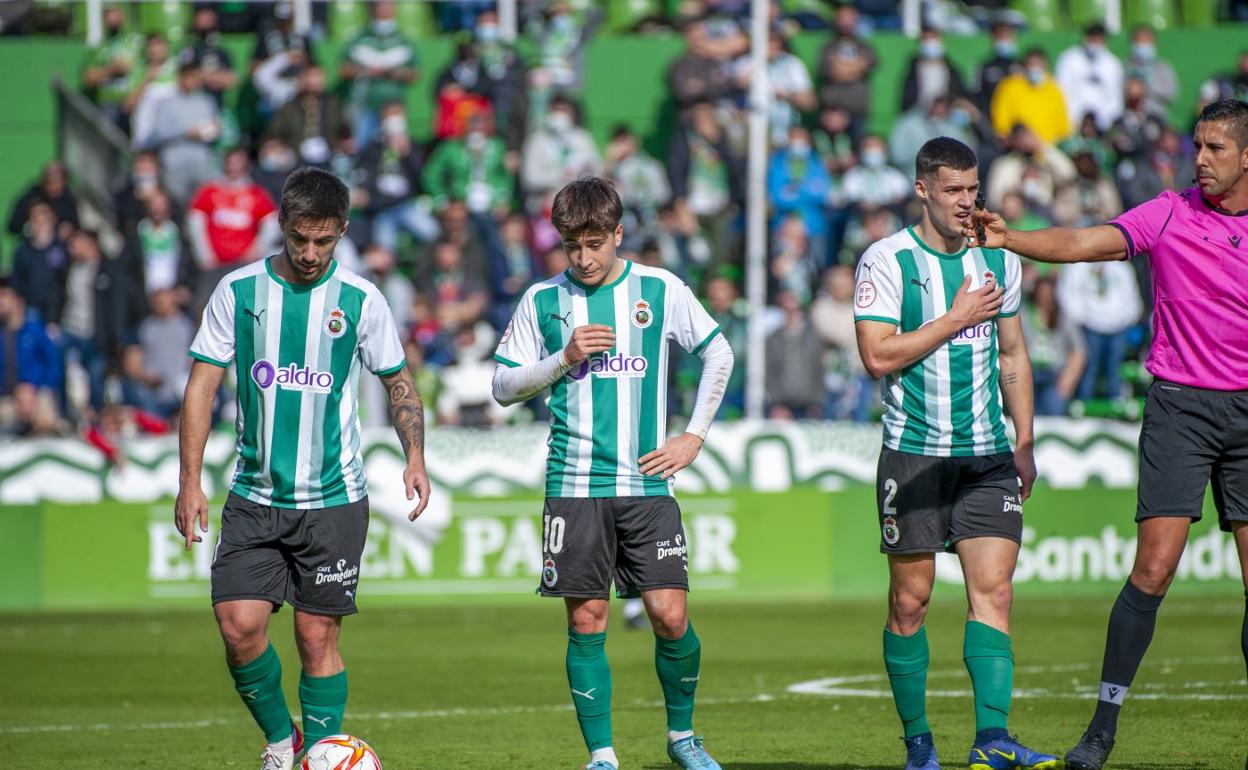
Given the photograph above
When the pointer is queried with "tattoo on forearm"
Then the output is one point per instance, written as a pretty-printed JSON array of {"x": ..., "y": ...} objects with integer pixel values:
[
  {"x": 406, "y": 411},
  {"x": 1009, "y": 378}
]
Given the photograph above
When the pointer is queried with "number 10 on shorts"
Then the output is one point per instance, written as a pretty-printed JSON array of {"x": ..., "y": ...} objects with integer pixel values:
[{"x": 552, "y": 533}]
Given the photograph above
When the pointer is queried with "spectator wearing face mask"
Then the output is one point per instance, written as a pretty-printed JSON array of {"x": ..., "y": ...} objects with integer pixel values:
[
  {"x": 380, "y": 64},
  {"x": 931, "y": 74},
  {"x": 471, "y": 168},
  {"x": 218, "y": 65},
  {"x": 108, "y": 76},
  {"x": 558, "y": 152},
  {"x": 799, "y": 185},
  {"x": 915, "y": 126},
  {"x": 873, "y": 182},
  {"x": 186, "y": 124},
  {"x": 1156, "y": 73},
  {"x": 1003, "y": 63},
  {"x": 845, "y": 67},
  {"x": 130, "y": 200},
  {"x": 1091, "y": 80},
  {"x": 312, "y": 121},
  {"x": 156, "y": 253},
  {"x": 1032, "y": 98},
  {"x": 274, "y": 162},
  {"x": 1032, "y": 167},
  {"x": 389, "y": 174},
  {"x": 792, "y": 93},
  {"x": 489, "y": 66}
]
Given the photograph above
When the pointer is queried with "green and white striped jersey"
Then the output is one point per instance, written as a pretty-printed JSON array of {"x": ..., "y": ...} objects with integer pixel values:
[
  {"x": 297, "y": 352},
  {"x": 611, "y": 409},
  {"x": 947, "y": 404}
]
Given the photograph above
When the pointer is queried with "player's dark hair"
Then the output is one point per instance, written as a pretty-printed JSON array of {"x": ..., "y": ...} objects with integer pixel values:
[
  {"x": 943, "y": 151},
  {"x": 313, "y": 195},
  {"x": 588, "y": 205},
  {"x": 1233, "y": 112}
]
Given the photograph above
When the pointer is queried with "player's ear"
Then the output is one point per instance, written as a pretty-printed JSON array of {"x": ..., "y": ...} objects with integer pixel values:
[
  {"x": 619, "y": 235},
  {"x": 345, "y": 224},
  {"x": 920, "y": 188}
]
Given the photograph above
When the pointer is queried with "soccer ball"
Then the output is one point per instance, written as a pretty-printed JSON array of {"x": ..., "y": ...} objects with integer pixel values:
[{"x": 340, "y": 752}]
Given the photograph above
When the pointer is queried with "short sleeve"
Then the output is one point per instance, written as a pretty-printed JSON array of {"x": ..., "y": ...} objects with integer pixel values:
[
  {"x": 1013, "y": 285},
  {"x": 877, "y": 288},
  {"x": 521, "y": 343},
  {"x": 264, "y": 203},
  {"x": 1144, "y": 224},
  {"x": 378, "y": 338},
  {"x": 689, "y": 324},
  {"x": 202, "y": 202},
  {"x": 214, "y": 342}
]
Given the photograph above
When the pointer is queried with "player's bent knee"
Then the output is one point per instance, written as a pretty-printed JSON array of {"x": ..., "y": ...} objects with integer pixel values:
[
  {"x": 671, "y": 625},
  {"x": 1152, "y": 577},
  {"x": 908, "y": 609}
]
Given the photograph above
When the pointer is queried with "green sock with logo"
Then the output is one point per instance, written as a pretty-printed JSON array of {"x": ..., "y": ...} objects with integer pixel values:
[
  {"x": 905, "y": 660},
  {"x": 324, "y": 699},
  {"x": 989, "y": 657},
  {"x": 678, "y": 663},
  {"x": 259, "y": 684},
  {"x": 589, "y": 676}
]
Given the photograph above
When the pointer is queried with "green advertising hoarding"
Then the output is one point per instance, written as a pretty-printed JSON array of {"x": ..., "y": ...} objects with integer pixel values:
[{"x": 803, "y": 542}]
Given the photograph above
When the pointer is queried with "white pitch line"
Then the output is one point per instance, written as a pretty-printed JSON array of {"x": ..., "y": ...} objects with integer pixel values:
[
  {"x": 836, "y": 687},
  {"x": 369, "y": 716}
]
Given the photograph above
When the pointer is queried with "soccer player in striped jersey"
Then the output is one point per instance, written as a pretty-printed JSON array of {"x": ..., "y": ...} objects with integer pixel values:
[
  {"x": 939, "y": 323},
  {"x": 597, "y": 337},
  {"x": 297, "y": 328}
]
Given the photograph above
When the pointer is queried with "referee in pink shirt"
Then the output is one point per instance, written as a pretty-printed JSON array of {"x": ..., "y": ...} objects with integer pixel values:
[{"x": 1196, "y": 418}]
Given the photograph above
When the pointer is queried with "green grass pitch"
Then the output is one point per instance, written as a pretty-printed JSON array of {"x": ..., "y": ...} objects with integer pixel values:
[{"x": 483, "y": 687}]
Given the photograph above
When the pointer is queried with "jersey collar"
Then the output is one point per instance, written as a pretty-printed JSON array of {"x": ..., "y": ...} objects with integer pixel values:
[
  {"x": 299, "y": 287},
  {"x": 628, "y": 268},
  {"x": 932, "y": 251}
]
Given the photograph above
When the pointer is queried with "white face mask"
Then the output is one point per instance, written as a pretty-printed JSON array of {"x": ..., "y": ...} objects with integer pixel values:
[
  {"x": 932, "y": 49},
  {"x": 395, "y": 125},
  {"x": 559, "y": 121},
  {"x": 1036, "y": 75},
  {"x": 799, "y": 146},
  {"x": 873, "y": 158},
  {"x": 476, "y": 141},
  {"x": 384, "y": 26}
]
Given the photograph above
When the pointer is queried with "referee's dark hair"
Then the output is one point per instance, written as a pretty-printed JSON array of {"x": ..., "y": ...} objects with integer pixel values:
[
  {"x": 588, "y": 205},
  {"x": 943, "y": 151},
  {"x": 313, "y": 195},
  {"x": 1232, "y": 112}
]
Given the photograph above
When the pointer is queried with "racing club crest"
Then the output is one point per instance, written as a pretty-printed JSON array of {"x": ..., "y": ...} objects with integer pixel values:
[
  {"x": 550, "y": 575},
  {"x": 336, "y": 323},
  {"x": 642, "y": 315},
  {"x": 890, "y": 531}
]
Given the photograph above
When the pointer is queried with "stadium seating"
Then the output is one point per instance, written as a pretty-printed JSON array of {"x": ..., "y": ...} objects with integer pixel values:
[
  {"x": 1041, "y": 15},
  {"x": 1158, "y": 14},
  {"x": 1200, "y": 13},
  {"x": 1084, "y": 13},
  {"x": 346, "y": 19},
  {"x": 172, "y": 18}
]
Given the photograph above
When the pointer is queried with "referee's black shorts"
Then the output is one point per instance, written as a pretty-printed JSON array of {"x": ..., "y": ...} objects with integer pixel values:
[{"x": 1191, "y": 437}]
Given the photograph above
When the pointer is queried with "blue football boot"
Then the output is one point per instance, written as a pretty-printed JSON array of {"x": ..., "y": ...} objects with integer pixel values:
[
  {"x": 689, "y": 754},
  {"x": 1008, "y": 754}
]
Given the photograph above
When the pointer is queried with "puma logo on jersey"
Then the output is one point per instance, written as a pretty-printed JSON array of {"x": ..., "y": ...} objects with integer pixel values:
[
  {"x": 254, "y": 315},
  {"x": 921, "y": 284},
  {"x": 564, "y": 318}
]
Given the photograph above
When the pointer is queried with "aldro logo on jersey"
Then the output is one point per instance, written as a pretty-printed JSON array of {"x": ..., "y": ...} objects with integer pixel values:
[
  {"x": 607, "y": 365},
  {"x": 291, "y": 377}
]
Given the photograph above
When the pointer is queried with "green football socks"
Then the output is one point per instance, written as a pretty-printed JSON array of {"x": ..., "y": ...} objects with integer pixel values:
[
  {"x": 589, "y": 676},
  {"x": 906, "y": 660},
  {"x": 990, "y": 660},
  {"x": 678, "y": 662},
  {"x": 324, "y": 699},
  {"x": 259, "y": 684}
]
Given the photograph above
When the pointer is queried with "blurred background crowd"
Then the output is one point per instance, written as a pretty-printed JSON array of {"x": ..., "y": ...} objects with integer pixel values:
[{"x": 95, "y": 322}]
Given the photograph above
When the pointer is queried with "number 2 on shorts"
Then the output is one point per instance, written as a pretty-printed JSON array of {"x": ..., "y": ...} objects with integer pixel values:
[
  {"x": 890, "y": 491},
  {"x": 552, "y": 533}
]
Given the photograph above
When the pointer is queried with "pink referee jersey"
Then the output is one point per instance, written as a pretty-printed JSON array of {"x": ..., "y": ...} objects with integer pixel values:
[{"x": 1199, "y": 260}]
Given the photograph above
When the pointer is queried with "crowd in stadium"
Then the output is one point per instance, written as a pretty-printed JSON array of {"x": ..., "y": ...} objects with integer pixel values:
[{"x": 454, "y": 229}]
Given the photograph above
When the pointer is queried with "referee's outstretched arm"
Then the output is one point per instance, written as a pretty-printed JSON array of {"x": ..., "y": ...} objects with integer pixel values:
[{"x": 1099, "y": 243}]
